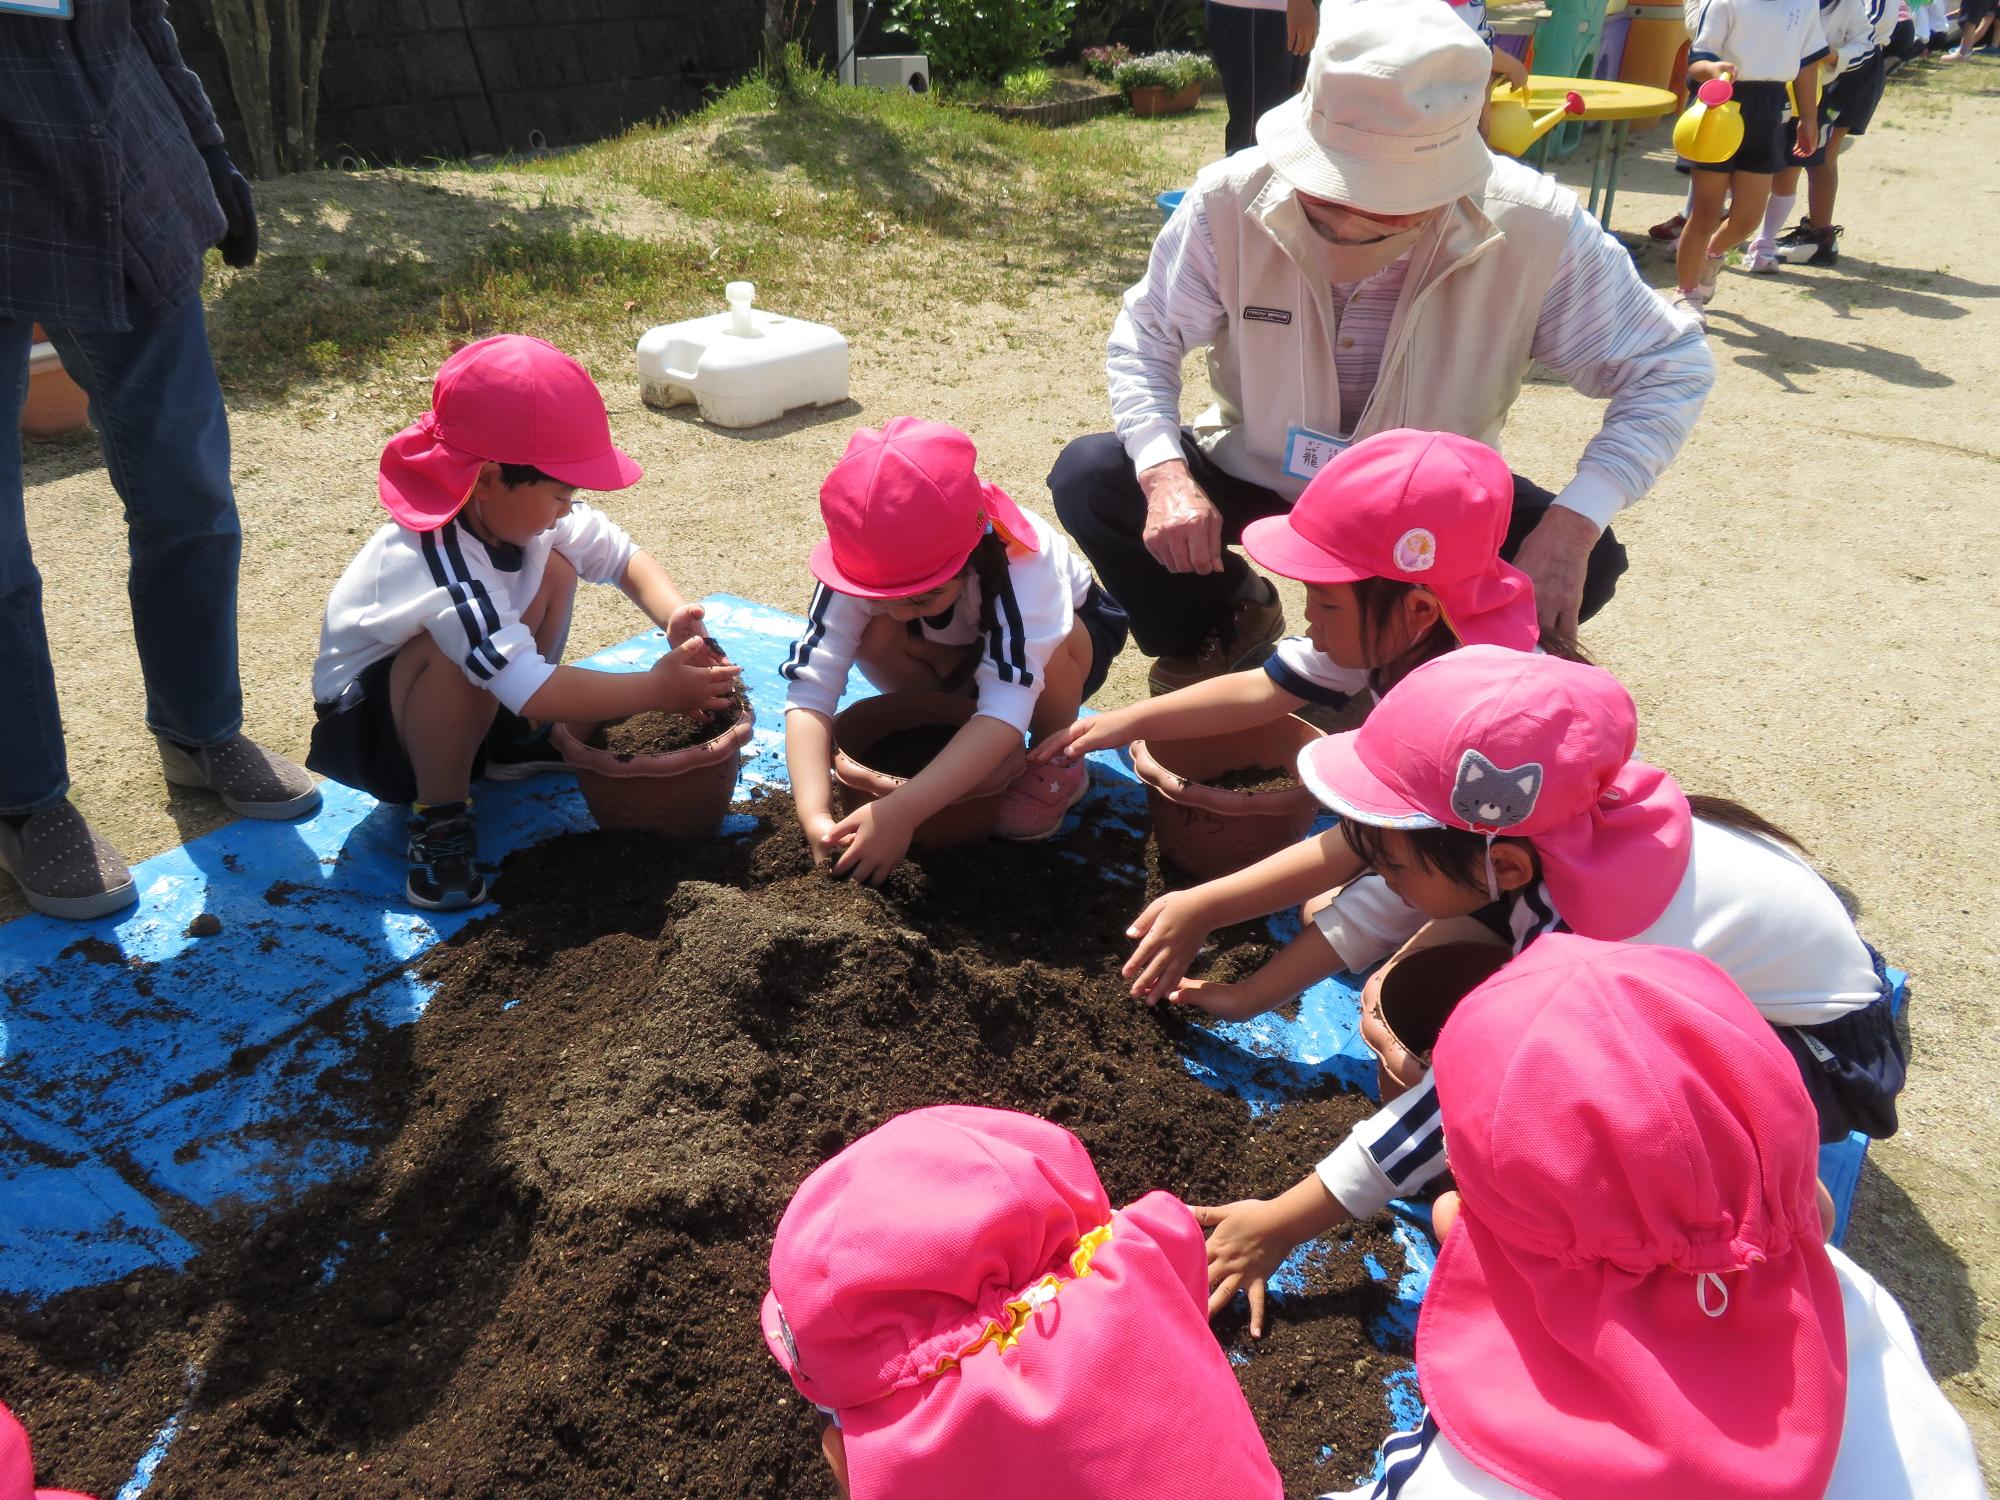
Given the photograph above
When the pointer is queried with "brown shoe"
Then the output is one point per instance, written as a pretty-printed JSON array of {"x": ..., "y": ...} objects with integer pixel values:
[
  {"x": 65, "y": 870},
  {"x": 1256, "y": 623}
]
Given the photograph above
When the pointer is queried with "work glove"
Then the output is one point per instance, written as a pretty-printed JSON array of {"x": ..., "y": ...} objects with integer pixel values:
[{"x": 239, "y": 241}]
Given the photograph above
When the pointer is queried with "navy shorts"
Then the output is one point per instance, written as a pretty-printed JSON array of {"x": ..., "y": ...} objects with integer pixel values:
[
  {"x": 1849, "y": 102},
  {"x": 1766, "y": 147},
  {"x": 354, "y": 739},
  {"x": 1104, "y": 618},
  {"x": 1853, "y": 1066}
]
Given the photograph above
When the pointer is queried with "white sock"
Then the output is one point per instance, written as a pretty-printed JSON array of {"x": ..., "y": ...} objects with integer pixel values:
[{"x": 1776, "y": 212}]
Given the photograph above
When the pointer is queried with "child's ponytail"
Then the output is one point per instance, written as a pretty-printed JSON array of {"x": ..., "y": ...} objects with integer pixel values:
[{"x": 988, "y": 564}]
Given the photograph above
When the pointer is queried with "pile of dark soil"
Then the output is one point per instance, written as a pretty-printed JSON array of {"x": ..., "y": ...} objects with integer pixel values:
[
  {"x": 905, "y": 752},
  {"x": 657, "y": 732},
  {"x": 1255, "y": 779},
  {"x": 546, "y": 1282}
]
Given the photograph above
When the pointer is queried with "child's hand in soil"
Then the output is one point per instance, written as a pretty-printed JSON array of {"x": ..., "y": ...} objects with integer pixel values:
[
  {"x": 1226, "y": 1002},
  {"x": 1074, "y": 741},
  {"x": 1170, "y": 933},
  {"x": 872, "y": 839},
  {"x": 1247, "y": 1246},
  {"x": 693, "y": 677},
  {"x": 818, "y": 830},
  {"x": 684, "y": 624}
]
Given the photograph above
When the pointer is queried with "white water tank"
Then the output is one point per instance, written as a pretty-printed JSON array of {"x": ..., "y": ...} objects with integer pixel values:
[
  {"x": 744, "y": 367},
  {"x": 910, "y": 70}
]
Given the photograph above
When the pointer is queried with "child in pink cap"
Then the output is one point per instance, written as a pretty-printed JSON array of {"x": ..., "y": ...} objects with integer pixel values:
[
  {"x": 930, "y": 578},
  {"x": 444, "y": 637},
  {"x": 1633, "y": 1296},
  {"x": 1497, "y": 793},
  {"x": 957, "y": 1296},
  {"x": 1397, "y": 541},
  {"x": 17, "y": 1465}
]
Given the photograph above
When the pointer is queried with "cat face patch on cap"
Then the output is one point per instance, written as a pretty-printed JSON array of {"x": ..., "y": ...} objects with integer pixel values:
[{"x": 1488, "y": 799}]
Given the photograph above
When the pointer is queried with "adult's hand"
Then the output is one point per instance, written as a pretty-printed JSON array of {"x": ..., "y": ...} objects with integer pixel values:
[
  {"x": 1301, "y": 25},
  {"x": 239, "y": 241},
  {"x": 1183, "y": 527},
  {"x": 1556, "y": 555}
]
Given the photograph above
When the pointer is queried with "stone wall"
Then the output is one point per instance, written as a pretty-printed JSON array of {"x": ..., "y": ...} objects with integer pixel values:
[{"x": 411, "y": 80}]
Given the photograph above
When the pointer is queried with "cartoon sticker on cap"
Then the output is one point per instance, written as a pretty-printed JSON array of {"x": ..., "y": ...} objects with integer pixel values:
[
  {"x": 1416, "y": 550},
  {"x": 1488, "y": 798}
]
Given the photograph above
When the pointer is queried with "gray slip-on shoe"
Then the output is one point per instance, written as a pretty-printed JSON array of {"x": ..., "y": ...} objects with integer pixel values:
[
  {"x": 63, "y": 867},
  {"x": 250, "y": 780}
]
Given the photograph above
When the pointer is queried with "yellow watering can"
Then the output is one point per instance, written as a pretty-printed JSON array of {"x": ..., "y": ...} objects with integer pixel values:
[
  {"x": 1712, "y": 129},
  {"x": 1512, "y": 129}
]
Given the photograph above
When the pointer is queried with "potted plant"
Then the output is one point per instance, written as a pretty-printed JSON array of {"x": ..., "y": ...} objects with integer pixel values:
[
  {"x": 1103, "y": 63},
  {"x": 1164, "y": 83}
]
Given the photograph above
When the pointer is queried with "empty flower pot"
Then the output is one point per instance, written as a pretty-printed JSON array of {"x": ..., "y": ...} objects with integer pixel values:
[
  {"x": 682, "y": 794},
  {"x": 1207, "y": 831},
  {"x": 1157, "y": 99},
  {"x": 860, "y": 727}
]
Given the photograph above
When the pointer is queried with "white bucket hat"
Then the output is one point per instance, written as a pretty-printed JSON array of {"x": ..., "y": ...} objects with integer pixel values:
[{"x": 1389, "y": 118}]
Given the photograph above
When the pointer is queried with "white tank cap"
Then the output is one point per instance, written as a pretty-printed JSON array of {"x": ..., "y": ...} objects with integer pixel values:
[{"x": 740, "y": 293}]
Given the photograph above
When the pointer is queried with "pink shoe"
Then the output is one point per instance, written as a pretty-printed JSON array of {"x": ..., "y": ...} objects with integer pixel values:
[{"x": 1036, "y": 801}]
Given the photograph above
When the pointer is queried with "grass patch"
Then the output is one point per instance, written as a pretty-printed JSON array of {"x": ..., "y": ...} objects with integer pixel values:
[{"x": 837, "y": 202}]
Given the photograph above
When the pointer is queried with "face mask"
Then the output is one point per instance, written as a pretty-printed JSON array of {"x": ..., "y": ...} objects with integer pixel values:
[{"x": 1344, "y": 264}]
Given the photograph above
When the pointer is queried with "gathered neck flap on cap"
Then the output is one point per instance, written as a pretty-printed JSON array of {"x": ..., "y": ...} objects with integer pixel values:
[{"x": 1615, "y": 869}]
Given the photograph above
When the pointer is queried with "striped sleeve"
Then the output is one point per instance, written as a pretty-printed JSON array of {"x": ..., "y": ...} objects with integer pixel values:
[
  {"x": 1174, "y": 308},
  {"x": 817, "y": 665},
  {"x": 1031, "y": 619},
  {"x": 1313, "y": 675},
  {"x": 476, "y": 630},
  {"x": 1608, "y": 334},
  {"x": 1389, "y": 1155}
]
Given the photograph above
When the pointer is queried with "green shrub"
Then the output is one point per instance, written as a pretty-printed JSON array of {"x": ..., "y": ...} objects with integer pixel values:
[
  {"x": 1172, "y": 71},
  {"x": 983, "y": 39},
  {"x": 1027, "y": 85}
]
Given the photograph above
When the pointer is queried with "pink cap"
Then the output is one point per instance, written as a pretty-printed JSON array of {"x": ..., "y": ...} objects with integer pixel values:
[
  {"x": 1421, "y": 507},
  {"x": 1534, "y": 747},
  {"x": 904, "y": 508},
  {"x": 17, "y": 1465},
  {"x": 1635, "y": 1300},
  {"x": 956, "y": 1286},
  {"x": 509, "y": 399}
]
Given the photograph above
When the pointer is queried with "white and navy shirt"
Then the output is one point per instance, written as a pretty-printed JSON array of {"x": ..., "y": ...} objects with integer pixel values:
[
  {"x": 1747, "y": 904},
  {"x": 467, "y": 594},
  {"x": 1313, "y": 675},
  {"x": 1766, "y": 41},
  {"x": 1031, "y": 619},
  {"x": 1899, "y": 1436}
]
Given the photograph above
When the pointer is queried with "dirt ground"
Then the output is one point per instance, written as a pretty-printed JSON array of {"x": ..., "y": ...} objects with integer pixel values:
[{"x": 1805, "y": 622}]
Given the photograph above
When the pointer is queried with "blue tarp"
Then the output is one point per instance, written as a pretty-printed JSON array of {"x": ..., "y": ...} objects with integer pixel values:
[{"x": 147, "y": 1077}]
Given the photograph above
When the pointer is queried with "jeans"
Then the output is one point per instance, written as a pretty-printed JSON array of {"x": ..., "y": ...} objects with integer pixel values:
[
  {"x": 1258, "y": 72},
  {"x": 159, "y": 415},
  {"x": 1098, "y": 499}
]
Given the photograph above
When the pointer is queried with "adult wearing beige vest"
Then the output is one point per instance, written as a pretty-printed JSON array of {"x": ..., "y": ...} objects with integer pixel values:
[{"x": 1368, "y": 265}]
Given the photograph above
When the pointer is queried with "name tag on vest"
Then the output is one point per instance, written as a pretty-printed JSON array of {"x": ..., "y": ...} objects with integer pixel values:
[
  {"x": 55, "y": 10},
  {"x": 1307, "y": 452},
  {"x": 1266, "y": 315}
]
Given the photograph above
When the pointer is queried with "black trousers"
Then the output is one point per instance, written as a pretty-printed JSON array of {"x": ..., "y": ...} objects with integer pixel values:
[
  {"x": 1258, "y": 71},
  {"x": 1098, "y": 499}
]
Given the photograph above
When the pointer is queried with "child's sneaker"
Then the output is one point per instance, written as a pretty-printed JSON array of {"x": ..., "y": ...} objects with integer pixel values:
[
  {"x": 1693, "y": 303},
  {"x": 1711, "y": 272},
  {"x": 1762, "y": 262},
  {"x": 1668, "y": 230},
  {"x": 1037, "y": 799},
  {"x": 520, "y": 760},
  {"x": 1816, "y": 247},
  {"x": 1799, "y": 234},
  {"x": 443, "y": 847}
]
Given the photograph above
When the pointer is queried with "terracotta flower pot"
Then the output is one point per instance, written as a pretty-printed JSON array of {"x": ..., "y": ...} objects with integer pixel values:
[
  {"x": 56, "y": 405},
  {"x": 1152, "y": 99},
  {"x": 1207, "y": 831},
  {"x": 860, "y": 727},
  {"x": 679, "y": 795},
  {"x": 1404, "y": 1010}
]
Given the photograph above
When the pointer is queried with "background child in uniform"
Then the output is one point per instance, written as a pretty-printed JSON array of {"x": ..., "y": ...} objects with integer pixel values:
[
  {"x": 1633, "y": 1296},
  {"x": 1398, "y": 543},
  {"x": 931, "y": 578},
  {"x": 1497, "y": 793},
  {"x": 974, "y": 1321},
  {"x": 444, "y": 636},
  {"x": 1859, "y": 34},
  {"x": 1759, "y": 46}
]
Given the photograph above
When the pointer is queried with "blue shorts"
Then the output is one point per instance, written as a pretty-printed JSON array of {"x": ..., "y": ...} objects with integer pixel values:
[{"x": 1853, "y": 1065}]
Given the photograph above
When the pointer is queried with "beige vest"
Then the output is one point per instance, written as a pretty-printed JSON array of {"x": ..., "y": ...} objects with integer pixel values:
[{"x": 1458, "y": 347}]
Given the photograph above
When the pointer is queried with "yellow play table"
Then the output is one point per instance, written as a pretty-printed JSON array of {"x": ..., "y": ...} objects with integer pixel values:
[{"x": 1612, "y": 104}]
